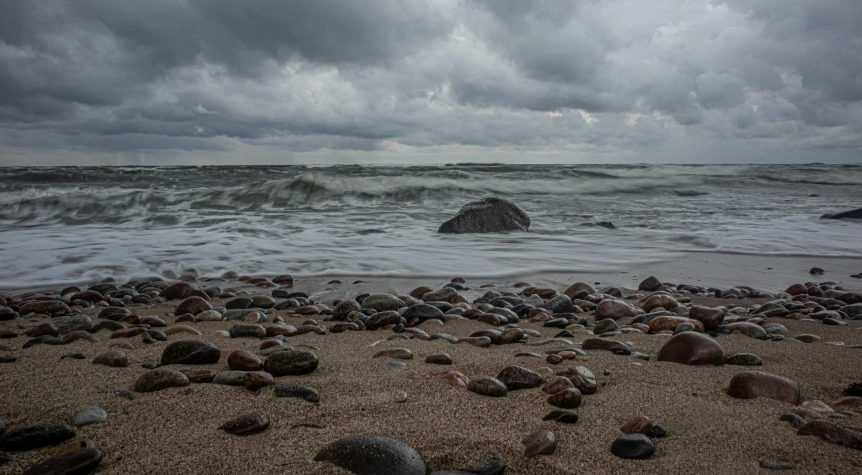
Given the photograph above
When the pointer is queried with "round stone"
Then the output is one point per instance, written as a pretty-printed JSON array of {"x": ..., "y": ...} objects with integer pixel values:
[
  {"x": 517, "y": 377},
  {"x": 692, "y": 348},
  {"x": 488, "y": 386},
  {"x": 633, "y": 446},
  {"x": 293, "y": 362}
]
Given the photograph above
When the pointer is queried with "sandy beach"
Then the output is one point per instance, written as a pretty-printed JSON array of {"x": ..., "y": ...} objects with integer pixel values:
[{"x": 176, "y": 430}]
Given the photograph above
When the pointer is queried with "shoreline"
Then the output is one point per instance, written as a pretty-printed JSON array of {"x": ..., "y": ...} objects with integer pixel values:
[{"x": 769, "y": 273}]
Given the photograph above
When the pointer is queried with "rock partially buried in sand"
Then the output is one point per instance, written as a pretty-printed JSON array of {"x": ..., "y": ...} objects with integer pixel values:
[
  {"x": 692, "y": 349},
  {"x": 744, "y": 359},
  {"x": 488, "y": 215},
  {"x": 246, "y": 425},
  {"x": 487, "y": 386},
  {"x": 397, "y": 353},
  {"x": 190, "y": 352},
  {"x": 566, "y": 417},
  {"x": 291, "y": 390},
  {"x": 517, "y": 377},
  {"x": 73, "y": 463},
  {"x": 756, "y": 384},
  {"x": 542, "y": 442},
  {"x": 115, "y": 358},
  {"x": 293, "y": 362},
  {"x": 441, "y": 359},
  {"x": 373, "y": 455},
  {"x": 91, "y": 415},
  {"x": 616, "y": 347},
  {"x": 35, "y": 437},
  {"x": 633, "y": 446},
  {"x": 159, "y": 379},
  {"x": 833, "y": 433}
]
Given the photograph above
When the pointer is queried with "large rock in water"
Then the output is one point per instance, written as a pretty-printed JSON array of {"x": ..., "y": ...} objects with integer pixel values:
[
  {"x": 488, "y": 215},
  {"x": 852, "y": 214}
]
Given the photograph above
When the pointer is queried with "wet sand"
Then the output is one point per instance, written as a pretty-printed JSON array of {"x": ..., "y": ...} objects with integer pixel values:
[{"x": 175, "y": 431}]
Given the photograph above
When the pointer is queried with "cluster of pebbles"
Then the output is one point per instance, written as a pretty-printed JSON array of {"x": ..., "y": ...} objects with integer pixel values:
[{"x": 692, "y": 336}]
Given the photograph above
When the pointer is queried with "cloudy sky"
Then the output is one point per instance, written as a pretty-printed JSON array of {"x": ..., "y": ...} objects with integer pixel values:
[{"x": 434, "y": 81}]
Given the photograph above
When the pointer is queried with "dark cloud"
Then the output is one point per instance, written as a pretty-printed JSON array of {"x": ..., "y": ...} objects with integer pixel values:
[{"x": 431, "y": 78}]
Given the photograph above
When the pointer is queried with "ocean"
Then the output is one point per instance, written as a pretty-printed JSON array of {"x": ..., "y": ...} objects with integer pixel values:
[{"x": 69, "y": 225}]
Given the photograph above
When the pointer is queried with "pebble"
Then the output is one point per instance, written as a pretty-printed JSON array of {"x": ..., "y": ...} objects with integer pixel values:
[
  {"x": 209, "y": 316},
  {"x": 633, "y": 446},
  {"x": 775, "y": 465},
  {"x": 692, "y": 348},
  {"x": 246, "y": 425},
  {"x": 638, "y": 425},
  {"x": 294, "y": 362},
  {"x": 173, "y": 330},
  {"x": 150, "y": 365},
  {"x": 114, "y": 358},
  {"x": 517, "y": 377},
  {"x": 440, "y": 358},
  {"x": 190, "y": 352},
  {"x": 244, "y": 360},
  {"x": 35, "y": 436},
  {"x": 744, "y": 359},
  {"x": 229, "y": 378},
  {"x": 542, "y": 442},
  {"x": 91, "y": 415},
  {"x": 755, "y": 384},
  {"x": 616, "y": 347},
  {"x": 199, "y": 376},
  {"x": 373, "y": 455},
  {"x": 566, "y": 417},
  {"x": 488, "y": 386},
  {"x": 76, "y": 462},
  {"x": 246, "y": 330},
  {"x": 8, "y": 359},
  {"x": 557, "y": 384},
  {"x": 566, "y": 399},
  {"x": 397, "y": 353},
  {"x": 833, "y": 433},
  {"x": 396, "y": 364},
  {"x": 291, "y": 390},
  {"x": 582, "y": 378},
  {"x": 159, "y": 379}
]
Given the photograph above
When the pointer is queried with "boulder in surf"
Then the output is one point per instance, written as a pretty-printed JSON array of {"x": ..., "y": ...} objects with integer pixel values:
[{"x": 488, "y": 215}]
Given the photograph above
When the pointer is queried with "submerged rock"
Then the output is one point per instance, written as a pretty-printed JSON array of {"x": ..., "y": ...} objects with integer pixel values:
[{"x": 488, "y": 215}]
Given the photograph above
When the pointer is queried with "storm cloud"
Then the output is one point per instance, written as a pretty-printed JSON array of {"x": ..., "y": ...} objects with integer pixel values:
[{"x": 299, "y": 81}]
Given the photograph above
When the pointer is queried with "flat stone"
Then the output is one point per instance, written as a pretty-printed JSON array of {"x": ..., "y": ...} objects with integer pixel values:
[
  {"x": 229, "y": 378},
  {"x": 35, "y": 437},
  {"x": 91, "y": 415},
  {"x": 488, "y": 386},
  {"x": 565, "y": 417},
  {"x": 291, "y": 390},
  {"x": 246, "y": 425},
  {"x": 614, "y": 309},
  {"x": 833, "y": 433},
  {"x": 81, "y": 461},
  {"x": 382, "y": 302},
  {"x": 616, "y": 347},
  {"x": 373, "y": 455},
  {"x": 159, "y": 379},
  {"x": 744, "y": 359},
  {"x": 397, "y": 353},
  {"x": 756, "y": 384},
  {"x": 542, "y": 442},
  {"x": 199, "y": 376},
  {"x": 246, "y": 330},
  {"x": 441, "y": 359},
  {"x": 775, "y": 465},
  {"x": 633, "y": 446}
]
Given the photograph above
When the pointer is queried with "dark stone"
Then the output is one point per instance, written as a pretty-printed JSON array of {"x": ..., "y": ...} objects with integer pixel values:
[
  {"x": 744, "y": 359},
  {"x": 633, "y": 446},
  {"x": 775, "y": 465},
  {"x": 517, "y": 377},
  {"x": 692, "y": 348},
  {"x": 190, "y": 352},
  {"x": 567, "y": 399},
  {"x": 756, "y": 384},
  {"x": 852, "y": 214},
  {"x": 35, "y": 437},
  {"x": 650, "y": 284},
  {"x": 239, "y": 303},
  {"x": 566, "y": 417},
  {"x": 423, "y": 312},
  {"x": 616, "y": 347},
  {"x": 159, "y": 379},
  {"x": 293, "y": 362},
  {"x": 487, "y": 386},
  {"x": 488, "y": 215},
  {"x": 373, "y": 455},
  {"x": 291, "y": 390},
  {"x": 78, "y": 462},
  {"x": 559, "y": 304},
  {"x": 246, "y": 425},
  {"x": 246, "y": 330}
]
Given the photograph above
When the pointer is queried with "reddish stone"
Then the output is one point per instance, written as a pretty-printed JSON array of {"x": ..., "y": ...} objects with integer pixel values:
[
  {"x": 244, "y": 360},
  {"x": 692, "y": 349},
  {"x": 193, "y": 305},
  {"x": 833, "y": 433},
  {"x": 254, "y": 380},
  {"x": 199, "y": 375},
  {"x": 660, "y": 301},
  {"x": 569, "y": 398},
  {"x": 557, "y": 384},
  {"x": 711, "y": 318},
  {"x": 614, "y": 309},
  {"x": 756, "y": 384}
]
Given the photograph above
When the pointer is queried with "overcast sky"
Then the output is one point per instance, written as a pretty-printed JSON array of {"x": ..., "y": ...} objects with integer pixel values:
[{"x": 325, "y": 81}]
